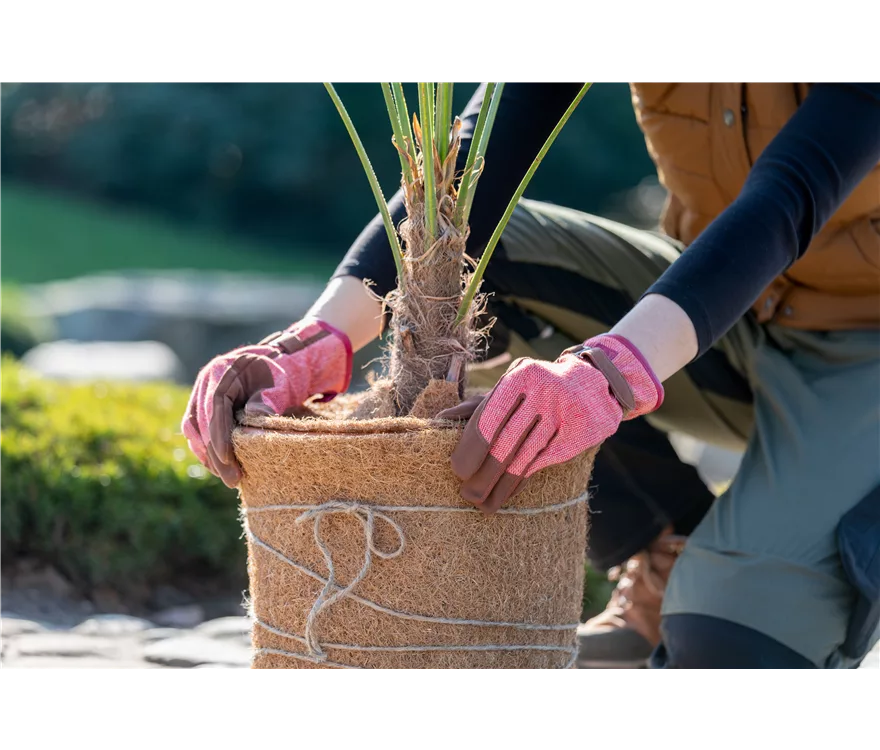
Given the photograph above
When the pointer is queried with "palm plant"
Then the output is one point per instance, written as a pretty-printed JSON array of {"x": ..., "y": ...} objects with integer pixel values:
[{"x": 437, "y": 302}]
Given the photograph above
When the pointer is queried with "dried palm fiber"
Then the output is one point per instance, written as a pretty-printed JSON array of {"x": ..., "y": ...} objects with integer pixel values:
[
  {"x": 440, "y": 572},
  {"x": 427, "y": 342}
]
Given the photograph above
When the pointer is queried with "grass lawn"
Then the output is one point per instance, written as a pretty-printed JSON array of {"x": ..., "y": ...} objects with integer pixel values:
[{"x": 47, "y": 237}]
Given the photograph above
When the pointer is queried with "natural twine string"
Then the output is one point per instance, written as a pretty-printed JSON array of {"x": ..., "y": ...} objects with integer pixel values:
[
  {"x": 334, "y": 591},
  {"x": 572, "y": 652},
  {"x": 367, "y": 516}
]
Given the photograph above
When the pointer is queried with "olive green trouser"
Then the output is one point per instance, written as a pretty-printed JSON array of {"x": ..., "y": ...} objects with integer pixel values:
[{"x": 805, "y": 406}]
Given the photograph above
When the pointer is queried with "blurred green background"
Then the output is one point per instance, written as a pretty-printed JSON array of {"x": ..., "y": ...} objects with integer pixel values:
[
  {"x": 263, "y": 177},
  {"x": 148, "y": 227}
]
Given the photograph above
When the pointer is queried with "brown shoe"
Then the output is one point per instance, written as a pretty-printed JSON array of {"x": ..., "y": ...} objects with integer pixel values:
[{"x": 625, "y": 634}]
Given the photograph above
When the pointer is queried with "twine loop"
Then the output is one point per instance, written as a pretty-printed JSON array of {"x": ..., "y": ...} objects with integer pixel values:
[{"x": 367, "y": 516}]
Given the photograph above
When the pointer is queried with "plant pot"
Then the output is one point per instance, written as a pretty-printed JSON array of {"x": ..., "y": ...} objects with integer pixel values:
[{"x": 361, "y": 552}]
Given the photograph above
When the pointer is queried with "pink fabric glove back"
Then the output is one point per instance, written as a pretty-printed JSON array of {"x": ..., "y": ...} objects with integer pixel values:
[
  {"x": 275, "y": 376},
  {"x": 545, "y": 413}
]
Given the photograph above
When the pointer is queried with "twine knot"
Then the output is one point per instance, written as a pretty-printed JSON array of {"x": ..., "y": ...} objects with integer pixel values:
[{"x": 367, "y": 516}]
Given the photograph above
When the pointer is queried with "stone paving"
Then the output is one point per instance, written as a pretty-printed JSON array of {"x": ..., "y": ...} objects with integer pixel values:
[
  {"x": 122, "y": 641},
  {"x": 125, "y": 642}
]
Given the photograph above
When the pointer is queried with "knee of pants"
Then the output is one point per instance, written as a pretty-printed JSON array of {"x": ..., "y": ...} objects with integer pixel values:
[{"x": 691, "y": 641}]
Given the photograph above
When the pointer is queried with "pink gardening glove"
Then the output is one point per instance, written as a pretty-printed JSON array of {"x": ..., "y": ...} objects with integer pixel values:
[
  {"x": 545, "y": 413},
  {"x": 276, "y": 376}
]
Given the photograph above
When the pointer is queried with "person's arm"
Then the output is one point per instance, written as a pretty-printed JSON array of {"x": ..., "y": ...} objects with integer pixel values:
[
  {"x": 527, "y": 114},
  {"x": 540, "y": 414},
  {"x": 798, "y": 182},
  {"x": 346, "y": 304},
  {"x": 662, "y": 332}
]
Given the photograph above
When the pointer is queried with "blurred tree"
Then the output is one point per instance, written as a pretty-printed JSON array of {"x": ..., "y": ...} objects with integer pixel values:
[{"x": 271, "y": 161}]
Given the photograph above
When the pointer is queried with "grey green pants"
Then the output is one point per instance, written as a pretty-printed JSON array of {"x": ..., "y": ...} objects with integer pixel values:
[{"x": 774, "y": 552}]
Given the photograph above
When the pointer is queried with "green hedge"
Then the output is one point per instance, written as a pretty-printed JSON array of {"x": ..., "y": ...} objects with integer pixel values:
[
  {"x": 98, "y": 482},
  {"x": 19, "y": 331}
]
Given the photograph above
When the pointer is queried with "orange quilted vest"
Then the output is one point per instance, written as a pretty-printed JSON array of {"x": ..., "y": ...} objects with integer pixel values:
[{"x": 704, "y": 138}]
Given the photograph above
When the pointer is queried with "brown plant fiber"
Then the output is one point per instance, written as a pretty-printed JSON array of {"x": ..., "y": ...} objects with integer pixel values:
[
  {"x": 454, "y": 564},
  {"x": 427, "y": 344}
]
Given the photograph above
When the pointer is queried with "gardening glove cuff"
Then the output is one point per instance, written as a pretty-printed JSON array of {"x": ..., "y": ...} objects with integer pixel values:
[
  {"x": 324, "y": 358},
  {"x": 630, "y": 378}
]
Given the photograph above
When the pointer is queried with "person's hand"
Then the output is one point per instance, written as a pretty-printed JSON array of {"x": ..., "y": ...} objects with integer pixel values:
[
  {"x": 545, "y": 413},
  {"x": 276, "y": 376}
]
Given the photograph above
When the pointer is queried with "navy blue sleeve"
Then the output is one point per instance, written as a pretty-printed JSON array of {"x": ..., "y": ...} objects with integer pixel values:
[
  {"x": 798, "y": 182},
  {"x": 527, "y": 114}
]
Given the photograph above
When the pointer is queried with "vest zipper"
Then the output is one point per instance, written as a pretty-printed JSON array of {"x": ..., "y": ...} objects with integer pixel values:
[{"x": 744, "y": 115}]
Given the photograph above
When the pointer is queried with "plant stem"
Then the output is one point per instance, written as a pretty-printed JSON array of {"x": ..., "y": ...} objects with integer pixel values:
[
  {"x": 482, "y": 148},
  {"x": 403, "y": 115},
  {"x": 474, "y": 284},
  {"x": 443, "y": 118},
  {"x": 468, "y": 180},
  {"x": 393, "y": 115},
  {"x": 426, "y": 109},
  {"x": 393, "y": 239}
]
